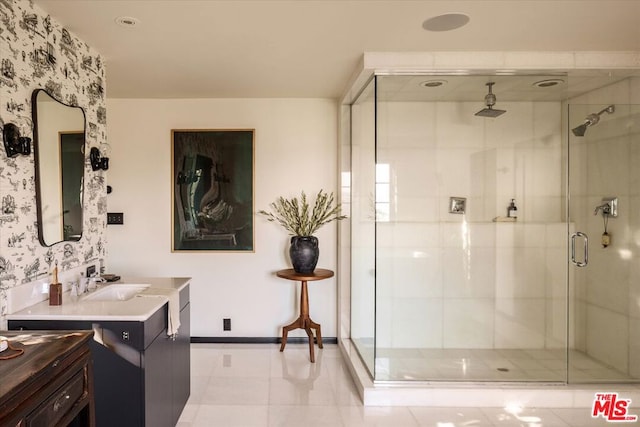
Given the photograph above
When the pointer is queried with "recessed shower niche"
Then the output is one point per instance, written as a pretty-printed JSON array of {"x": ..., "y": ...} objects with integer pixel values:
[
  {"x": 440, "y": 296},
  {"x": 457, "y": 205}
]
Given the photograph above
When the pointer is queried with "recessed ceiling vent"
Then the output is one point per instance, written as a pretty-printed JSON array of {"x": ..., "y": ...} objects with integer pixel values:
[
  {"x": 548, "y": 83},
  {"x": 433, "y": 83},
  {"x": 127, "y": 21}
]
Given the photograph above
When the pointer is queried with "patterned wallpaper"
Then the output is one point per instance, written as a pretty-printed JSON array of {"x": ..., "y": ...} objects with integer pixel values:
[{"x": 36, "y": 52}]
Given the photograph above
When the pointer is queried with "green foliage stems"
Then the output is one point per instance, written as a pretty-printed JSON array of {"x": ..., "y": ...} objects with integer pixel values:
[{"x": 293, "y": 214}]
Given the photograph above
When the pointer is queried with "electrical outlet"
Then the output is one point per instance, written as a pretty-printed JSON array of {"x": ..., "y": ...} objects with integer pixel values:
[
  {"x": 226, "y": 324},
  {"x": 115, "y": 218}
]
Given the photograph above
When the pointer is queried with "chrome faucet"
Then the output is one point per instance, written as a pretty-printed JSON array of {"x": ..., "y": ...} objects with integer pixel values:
[
  {"x": 93, "y": 282},
  {"x": 75, "y": 289},
  {"x": 605, "y": 208},
  {"x": 83, "y": 285}
]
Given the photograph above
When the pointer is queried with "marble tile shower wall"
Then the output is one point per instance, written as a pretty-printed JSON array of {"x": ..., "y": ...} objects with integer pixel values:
[
  {"x": 37, "y": 52},
  {"x": 463, "y": 281},
  {"x": 479, "y": 285}
]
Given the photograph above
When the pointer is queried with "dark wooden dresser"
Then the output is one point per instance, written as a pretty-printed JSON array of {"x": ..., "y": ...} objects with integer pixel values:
[{"x": 51, "y": 384}]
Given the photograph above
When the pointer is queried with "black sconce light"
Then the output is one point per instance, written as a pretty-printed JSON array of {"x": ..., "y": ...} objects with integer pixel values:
[
  {"x": 98, "y": 162},
  {"x": 15, "y": 144}
]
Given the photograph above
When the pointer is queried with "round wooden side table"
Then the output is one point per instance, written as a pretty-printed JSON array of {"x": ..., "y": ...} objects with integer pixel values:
[{"x": 304, "y": 321}]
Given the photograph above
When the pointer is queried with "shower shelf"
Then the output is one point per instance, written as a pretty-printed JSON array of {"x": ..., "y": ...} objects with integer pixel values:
[{"x": 504, "y": 219}]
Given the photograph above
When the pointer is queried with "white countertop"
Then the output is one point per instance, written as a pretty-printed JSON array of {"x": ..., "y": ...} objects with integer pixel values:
[{"x": 138, "y": 308}]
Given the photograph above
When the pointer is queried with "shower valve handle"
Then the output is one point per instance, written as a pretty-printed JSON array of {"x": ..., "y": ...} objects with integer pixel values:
[{"x": 605, "y": 208}]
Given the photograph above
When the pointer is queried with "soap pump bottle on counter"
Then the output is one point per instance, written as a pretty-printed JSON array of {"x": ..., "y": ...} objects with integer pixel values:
[
  {"x": 55, "y": 288},
  {"x": 512, "y": 210}
]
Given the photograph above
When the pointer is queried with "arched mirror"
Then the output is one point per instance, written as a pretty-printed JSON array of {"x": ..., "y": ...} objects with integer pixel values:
[{"x": 59, "y": 146}]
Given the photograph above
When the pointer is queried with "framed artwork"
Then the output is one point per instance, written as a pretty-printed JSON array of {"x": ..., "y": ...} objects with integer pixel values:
[{"x": 212, "y": 190}]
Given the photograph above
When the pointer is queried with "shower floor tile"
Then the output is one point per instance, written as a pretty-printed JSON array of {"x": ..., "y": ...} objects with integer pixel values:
[{"x": 491, "y": 365}]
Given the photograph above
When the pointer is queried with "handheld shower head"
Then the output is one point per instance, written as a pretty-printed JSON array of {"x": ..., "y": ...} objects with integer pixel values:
[
  {"x": 591, "y": 120},
  {"x": 490, "y": 101}
]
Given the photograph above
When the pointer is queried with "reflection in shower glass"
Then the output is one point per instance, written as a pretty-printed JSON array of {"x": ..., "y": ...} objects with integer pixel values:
[{"x": 383, "y": 192}]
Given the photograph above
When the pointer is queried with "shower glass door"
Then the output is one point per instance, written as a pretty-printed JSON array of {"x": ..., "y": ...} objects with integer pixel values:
[
  {"x": 444, "y": 286},
  {"x": 604, "y": 182},
  {"x": 462, "y": 292},
  {"x": 363, "y": 233}
]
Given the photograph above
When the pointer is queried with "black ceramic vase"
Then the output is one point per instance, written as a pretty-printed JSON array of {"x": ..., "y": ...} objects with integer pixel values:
[{"x": 304, "y": 253}]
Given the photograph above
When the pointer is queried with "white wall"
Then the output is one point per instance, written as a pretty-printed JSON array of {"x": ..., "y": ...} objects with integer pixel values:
[{"x": 295, "y": 149}]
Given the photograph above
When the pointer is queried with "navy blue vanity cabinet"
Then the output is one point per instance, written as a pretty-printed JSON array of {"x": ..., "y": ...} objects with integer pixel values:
[
  {"x": 158, "y": 385},
  {"x": 141, "y": 375},
  {"x": 171, "y": 356},
  {"x": 181, "y": 358}
]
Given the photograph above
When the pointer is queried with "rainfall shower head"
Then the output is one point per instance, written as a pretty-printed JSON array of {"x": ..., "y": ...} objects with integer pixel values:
[
  {"x": 592, "y": 119},
  {"x": 490, "y": 101}
]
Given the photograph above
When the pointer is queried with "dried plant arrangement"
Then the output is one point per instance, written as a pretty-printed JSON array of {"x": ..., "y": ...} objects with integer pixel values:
[{"x": 297, "y": 216}]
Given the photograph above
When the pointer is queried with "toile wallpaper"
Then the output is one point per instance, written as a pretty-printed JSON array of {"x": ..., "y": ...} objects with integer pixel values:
[{"x": 38, "y": 53}]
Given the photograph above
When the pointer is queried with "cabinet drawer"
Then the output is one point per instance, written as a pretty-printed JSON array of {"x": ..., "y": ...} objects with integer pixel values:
[{"x": 56, "y": 406}]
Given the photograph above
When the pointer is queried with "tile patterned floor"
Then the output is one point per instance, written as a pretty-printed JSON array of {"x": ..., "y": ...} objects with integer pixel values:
[{"x": 256, "y": 385}]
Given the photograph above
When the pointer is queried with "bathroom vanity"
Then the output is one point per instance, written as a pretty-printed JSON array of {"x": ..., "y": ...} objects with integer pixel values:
[{"x": 141, "y": 371}]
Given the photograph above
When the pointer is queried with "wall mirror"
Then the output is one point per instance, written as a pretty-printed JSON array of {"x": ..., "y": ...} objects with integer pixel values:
[{"x": 59, "y": 147}]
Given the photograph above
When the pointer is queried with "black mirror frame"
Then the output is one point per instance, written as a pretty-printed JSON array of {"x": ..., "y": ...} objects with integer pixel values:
[{"x": 34, "y": 115}]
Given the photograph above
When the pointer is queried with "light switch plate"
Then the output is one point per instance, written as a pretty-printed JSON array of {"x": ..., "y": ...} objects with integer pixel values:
[
  {"x": 115, "y": 218},
  {"x": 91, "y": 271}
]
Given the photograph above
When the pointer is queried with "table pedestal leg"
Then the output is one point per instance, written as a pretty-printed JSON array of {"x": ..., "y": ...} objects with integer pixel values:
[
  {"x": 304, "y": 322},
  {"x": 316, "y": 326}
]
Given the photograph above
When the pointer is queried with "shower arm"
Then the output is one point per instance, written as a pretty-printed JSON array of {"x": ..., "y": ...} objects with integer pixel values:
[
  {"x": 610, "y": 109},
  {"x": 593, "y": 119}
]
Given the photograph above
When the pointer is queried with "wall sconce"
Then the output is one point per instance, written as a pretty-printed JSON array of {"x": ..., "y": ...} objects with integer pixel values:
[
  {"x": 15, "y": 144},
  {"x": 98, "y": 162}
]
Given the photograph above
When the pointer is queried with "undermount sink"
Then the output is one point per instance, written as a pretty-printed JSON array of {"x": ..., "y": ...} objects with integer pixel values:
[{"x": 121, "y": 292}]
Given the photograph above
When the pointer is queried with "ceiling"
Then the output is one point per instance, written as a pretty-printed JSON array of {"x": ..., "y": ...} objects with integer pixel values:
[{"x": 310, "y": 48}]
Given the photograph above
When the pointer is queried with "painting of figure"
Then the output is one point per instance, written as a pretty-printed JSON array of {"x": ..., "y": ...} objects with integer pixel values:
[{"x": 212, "y": 186}]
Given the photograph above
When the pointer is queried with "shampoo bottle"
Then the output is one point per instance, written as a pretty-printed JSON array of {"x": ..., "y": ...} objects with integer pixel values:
[{"x": 512, "y": 210}]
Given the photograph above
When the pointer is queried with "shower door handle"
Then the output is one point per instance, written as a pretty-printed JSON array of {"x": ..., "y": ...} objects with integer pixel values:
[{"x": 585, "y": 260}]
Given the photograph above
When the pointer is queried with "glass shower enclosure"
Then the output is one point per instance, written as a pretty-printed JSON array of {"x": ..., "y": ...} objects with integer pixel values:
[{"x": 448, "y": 281}]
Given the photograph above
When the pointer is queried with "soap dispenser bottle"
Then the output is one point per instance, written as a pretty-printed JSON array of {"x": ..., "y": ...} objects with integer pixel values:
[
  {"x": 55, "y": 288},
  {"x": 512, "y": 210}
]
